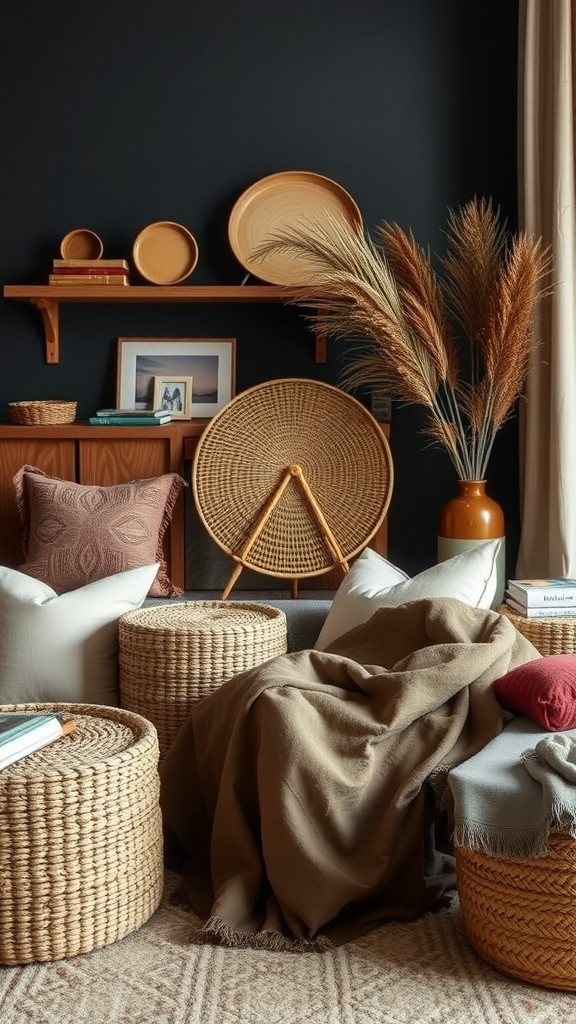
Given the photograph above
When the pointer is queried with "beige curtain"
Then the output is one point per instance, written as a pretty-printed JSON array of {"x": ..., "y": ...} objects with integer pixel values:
[{"x": 547, "y": 208}]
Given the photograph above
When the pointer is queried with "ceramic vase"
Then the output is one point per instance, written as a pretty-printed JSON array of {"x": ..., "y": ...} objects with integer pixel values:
[{"x": 469, "y": 519}]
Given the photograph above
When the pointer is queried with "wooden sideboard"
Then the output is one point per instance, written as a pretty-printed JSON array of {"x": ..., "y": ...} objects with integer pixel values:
[{"x": 106, "y": 456}]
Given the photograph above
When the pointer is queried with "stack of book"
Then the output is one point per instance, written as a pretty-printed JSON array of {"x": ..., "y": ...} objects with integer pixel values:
[
  {"x": 22, "y": 733},
  {"x": 130, "y": 418},
  {"x": 542, "y": 598},
  {"x": 89, "y": 272}
]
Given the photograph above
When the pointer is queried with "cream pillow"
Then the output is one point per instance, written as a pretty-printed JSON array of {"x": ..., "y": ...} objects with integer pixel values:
[
  {"x": 373, "y": 582},
  {"x": 64, "y": 647}
]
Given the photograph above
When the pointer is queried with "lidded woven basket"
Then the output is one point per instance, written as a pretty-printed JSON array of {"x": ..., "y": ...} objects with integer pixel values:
[
  {"x": 554, "y": 635},
  {"x": 171, "y": 656},
  {"x": 43, "y": 413},
  {"x": 81, "y": 848}
]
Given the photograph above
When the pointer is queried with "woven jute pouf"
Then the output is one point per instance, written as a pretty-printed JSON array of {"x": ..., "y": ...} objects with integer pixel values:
[
  {"x": 520, "y": 915},
  {"x": 81, "y": 859},
  {"x": 173, "y": 655},
  {"x": 549, "y": 635}
]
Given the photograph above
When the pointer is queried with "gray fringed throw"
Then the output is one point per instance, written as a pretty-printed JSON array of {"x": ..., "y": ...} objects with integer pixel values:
[{"x": 516, "y": 791}]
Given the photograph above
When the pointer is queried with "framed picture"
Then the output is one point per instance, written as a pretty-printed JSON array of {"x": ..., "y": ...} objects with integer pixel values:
[
  {"x": 174, "y": 396},
  {"x": 210, "y": 362}
]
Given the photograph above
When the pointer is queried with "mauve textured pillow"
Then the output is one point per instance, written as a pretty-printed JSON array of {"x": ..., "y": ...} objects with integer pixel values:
[
  {"x": 74, "y": 534},
  {"x": 543, "y": 690}
]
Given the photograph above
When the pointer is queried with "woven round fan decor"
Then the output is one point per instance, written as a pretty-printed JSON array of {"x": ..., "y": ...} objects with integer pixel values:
[{"x": 292, "y": 478}]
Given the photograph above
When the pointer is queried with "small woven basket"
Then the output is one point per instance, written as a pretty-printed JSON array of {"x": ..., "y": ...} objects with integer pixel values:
[
  {"x": 44, "y": 413},
  {"x": 81, "y": 858},
  {"x": 548, "y": 635},
  {"x": 520, "y": 915},
  {"x": 171, "y": 656}
]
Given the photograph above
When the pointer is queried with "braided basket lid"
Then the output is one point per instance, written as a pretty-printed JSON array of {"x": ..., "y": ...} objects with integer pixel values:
[{"x": 259, "y": 511}]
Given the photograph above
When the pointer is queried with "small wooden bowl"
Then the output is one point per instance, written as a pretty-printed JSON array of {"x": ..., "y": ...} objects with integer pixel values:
[
  {"x": 81, "y": 244},
  {"x": 165, "y": 253}
]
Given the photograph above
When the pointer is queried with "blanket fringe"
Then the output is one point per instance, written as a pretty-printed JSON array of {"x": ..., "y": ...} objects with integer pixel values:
[
  {"x": 215, "y": 931},
  {"x": 528, "y": 845}
]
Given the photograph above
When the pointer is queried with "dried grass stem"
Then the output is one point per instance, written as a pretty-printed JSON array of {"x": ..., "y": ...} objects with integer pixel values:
[{"x": 387, "y": 293}]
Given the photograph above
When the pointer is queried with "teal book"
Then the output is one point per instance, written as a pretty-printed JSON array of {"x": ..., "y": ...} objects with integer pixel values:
[{"x": 129, "y": 421}]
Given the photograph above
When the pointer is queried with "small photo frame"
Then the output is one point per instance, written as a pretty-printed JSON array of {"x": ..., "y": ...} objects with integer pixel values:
[
  {"x": 174, "y": 396},
  {"x": 210, "y": 362}
]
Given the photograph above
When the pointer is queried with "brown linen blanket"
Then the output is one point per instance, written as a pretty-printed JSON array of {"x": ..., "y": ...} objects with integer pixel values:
[{"x": 297, "y": 796}]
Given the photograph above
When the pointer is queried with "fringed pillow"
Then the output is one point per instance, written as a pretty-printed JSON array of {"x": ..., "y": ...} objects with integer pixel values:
[{"x": 74, "y": 534}]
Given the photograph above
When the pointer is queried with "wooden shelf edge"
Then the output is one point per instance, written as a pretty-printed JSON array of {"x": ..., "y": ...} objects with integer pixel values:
[{"x": 47, "y": 299}]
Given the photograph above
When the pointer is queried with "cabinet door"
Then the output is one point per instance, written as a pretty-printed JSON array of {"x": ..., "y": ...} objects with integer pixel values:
[
  {"x": 114, "y": 460},
  {"x": 55, "y": 457}
]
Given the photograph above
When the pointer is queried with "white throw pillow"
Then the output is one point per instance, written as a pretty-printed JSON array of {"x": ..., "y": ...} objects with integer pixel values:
[
  {"x": 64, "y": 647},
  {"x": 374, "y": 583}
]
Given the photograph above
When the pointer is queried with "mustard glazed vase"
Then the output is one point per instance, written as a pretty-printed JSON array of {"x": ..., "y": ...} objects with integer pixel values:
[{"x": 469, "y": 519}]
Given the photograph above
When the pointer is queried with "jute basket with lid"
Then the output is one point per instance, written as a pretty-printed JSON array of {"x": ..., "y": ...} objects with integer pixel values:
[
  {"x": 174, "y": 655},
  {"x": 554, "y": 635},
  {"x": 81, "y": 858}
]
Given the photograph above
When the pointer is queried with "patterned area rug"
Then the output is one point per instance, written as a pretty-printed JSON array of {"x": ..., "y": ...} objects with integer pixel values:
[{"x": 419, "y": 973}]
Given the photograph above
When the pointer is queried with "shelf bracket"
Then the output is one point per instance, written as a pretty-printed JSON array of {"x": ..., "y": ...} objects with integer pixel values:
[{"x": 49, "y": 310}]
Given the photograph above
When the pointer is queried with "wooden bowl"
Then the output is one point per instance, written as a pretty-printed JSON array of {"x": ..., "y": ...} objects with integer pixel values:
[
  {"x": 81, "y": 244},
  {"x": 165, "y": 253}
]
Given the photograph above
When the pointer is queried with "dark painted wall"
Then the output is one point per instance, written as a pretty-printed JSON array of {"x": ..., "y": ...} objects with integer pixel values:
[{"x": 119, "y": 115}]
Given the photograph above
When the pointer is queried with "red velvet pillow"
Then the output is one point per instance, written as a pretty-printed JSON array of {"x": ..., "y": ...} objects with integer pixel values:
[
  {"x": 74, "y": 534},
  {"x": 543, "y": 690}
]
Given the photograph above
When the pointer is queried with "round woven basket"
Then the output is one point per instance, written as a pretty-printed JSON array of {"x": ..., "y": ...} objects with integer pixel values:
[
  {"x": 171, "y": 656},
  {"x": 520, "y": 915},
  {"x": 81, "y": 859},
  {"x": 42, "y": 413},
  {"x": 549, "y": 636}
]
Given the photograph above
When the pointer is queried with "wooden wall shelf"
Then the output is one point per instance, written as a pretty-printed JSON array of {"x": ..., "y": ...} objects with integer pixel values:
[{"x": 48, "y": 299}]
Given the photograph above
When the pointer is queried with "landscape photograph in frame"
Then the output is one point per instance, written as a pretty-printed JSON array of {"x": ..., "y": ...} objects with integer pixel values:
[{"x": 211, "y": 362}]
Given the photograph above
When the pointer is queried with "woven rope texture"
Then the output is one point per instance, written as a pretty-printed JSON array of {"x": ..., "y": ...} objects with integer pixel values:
[
  {"x": 172, "y": 656},
  {"x": 520, "y": 915},
  {"x": 29, "y": 414},
  {"x": 81, "y": 860},
  {"x": 245, "y": 453},
  {"x": 549, "y": 636}
]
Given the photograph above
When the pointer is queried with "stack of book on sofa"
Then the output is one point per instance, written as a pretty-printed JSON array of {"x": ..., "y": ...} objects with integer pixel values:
[
  {"x": 89, "y": 272},
  {"x": 542, "y": 598}
]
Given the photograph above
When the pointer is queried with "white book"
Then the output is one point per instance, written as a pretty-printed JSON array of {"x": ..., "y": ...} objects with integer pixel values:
[
  {"x": 23, "y": 732},
  {"x": 130, "y": 412},
  {"x": 541, "y": 593},
  {"x": 539, "y": 612}
]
